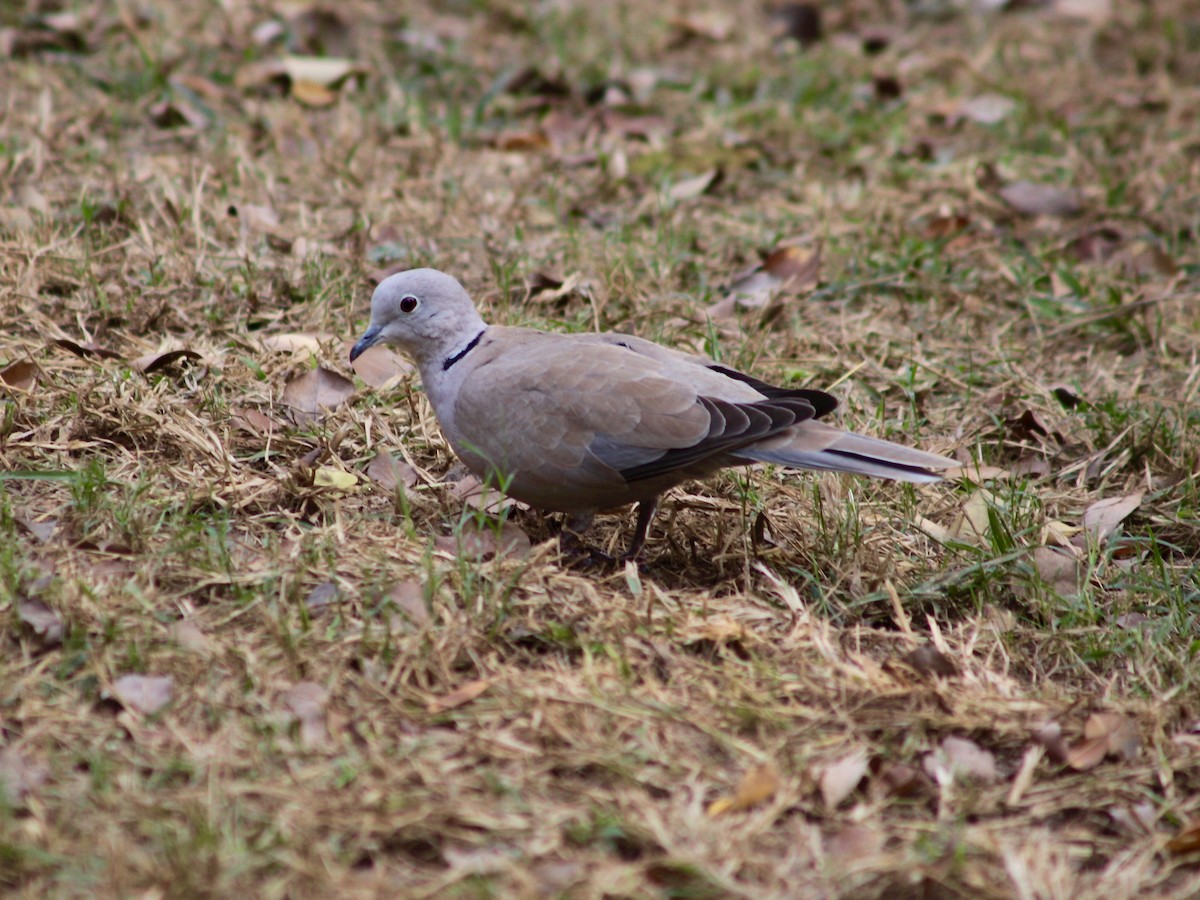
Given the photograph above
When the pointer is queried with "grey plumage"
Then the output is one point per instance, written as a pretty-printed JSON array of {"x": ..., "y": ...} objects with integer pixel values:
[{"x": 581, "y": 423}]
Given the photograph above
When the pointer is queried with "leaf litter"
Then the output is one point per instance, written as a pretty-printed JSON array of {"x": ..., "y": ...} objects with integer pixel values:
[{"x": 179, "y": 515}]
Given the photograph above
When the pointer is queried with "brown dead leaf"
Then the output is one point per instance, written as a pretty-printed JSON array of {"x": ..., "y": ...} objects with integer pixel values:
[
  {"x": 459, "y": 697},
  {"x": 929, "y": 660},
  {"x": 378, "y": 365},
  {"x": 758, "y": 785},
  {"x": 44, "y": 623},
  {"x": 787, "y": 268},
  {"x": 1035, "y": 199},
  {"x": 317, "y": 390},
  {"x": 531, "y": 141},
  {"x": 146, "y": 694},
  {"x": 1059, "y": 568},
  {"x": 854, "y": 842},
  {"x": 1104, "y": 517},
  {"x": 899, "y": 780},
  {"x": 154, "y": 362},
  {"x": 188, "y": 635},
  {"x": 321, "y": 597},
  {"x": 1095, "y": 245},
  {"x": 19, "y": 775},
  {"x": 1118, "y": 730},
  {"x": 711, "y": 25},
  {"x": 409, "y": 598},
  {"x": 960, "y": 756},
  {"x": 252, "y": 421},
  {"x": 473, "y": 492},
  {"x": 840, "y": 779},
  {"x": 1087, "y": 754},
  {"x": 307, "y": 700},
  {"x": 1146, "y": 260},
  {"x": 86, "y": 350},
  {"x": 388, "y": 471},
  {"x": 972, "y": 525},
  {"x": 987, "y": 109},
  {"x": 20, "y": 375},
  {"x": 1187, "y": 840},
  {"x": 484, "y": 543}
]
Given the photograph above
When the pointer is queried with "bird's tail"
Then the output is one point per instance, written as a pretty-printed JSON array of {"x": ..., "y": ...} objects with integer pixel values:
[{"x": 815, "y": 445}]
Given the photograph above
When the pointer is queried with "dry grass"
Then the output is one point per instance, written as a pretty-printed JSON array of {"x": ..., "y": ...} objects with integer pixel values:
[{"x": 359, "y": 708}]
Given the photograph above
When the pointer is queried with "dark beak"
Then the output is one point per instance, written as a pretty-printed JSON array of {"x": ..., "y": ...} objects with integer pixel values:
[{"x": 366, "y": 341}]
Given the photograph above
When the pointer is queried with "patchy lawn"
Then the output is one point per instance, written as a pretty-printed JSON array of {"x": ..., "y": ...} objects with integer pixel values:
[{"x": 261, "y": 637}]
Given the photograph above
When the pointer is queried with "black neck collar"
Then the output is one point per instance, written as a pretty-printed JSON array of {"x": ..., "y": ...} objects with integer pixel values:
[{"x": 451, "y": 360}]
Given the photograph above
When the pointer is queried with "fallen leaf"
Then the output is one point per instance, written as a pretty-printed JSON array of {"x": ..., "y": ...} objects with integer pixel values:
[
  {"x": 1059, "y": 568},
  {"x": 459, "y": 697},
  {"x": 1050, "y": 736},
  {"x": 972, "y": 525},
  {"x": 484, "y": 543},
  {"x": 143, "y": 693},
  {"x": 928, "y": 660},
  {"x": 326, "y": 71},
  {"x": 334, "y": 478},
  {"x": 758, "y": 785},
  {"x": 378, "y": 365},
  {"x": 86, "y": 350},
  {"x": 1146, "y": 260},
  {"x": 854, "y": 842},
  {"x": 43, "y": 621},
  {"x": 987, "y": 109},
  {"x": 153, "y": 362},
  {"x": 19, "y": 775},
  {"x": 307, "y": 701},
  {"x": 1035, "y": 199},
  {"x": 1095, "y": 245},
  {"x": 786, "y": 268},
  {"x": 712, "y": 25},
  {"x": 320, "y": 597},
  {"x": 1119, "y": 732},
  {"x": 1087, "y": 754},
  {"x": 21, "y": 375},
  {"x": 1187, "y": 840},
  {"x": 959, "y": 756},
  {"x": 692, "y": 187},
  {"x": 409, "y": 598},
  {"x": 839, "y": 780},
  {"x": 388, "y": 472},
  {"x": 42, "y": 529},
  {"x": 473, "y": 492},
  {"x": 1103, "y": 518},
  {"x": 976, "y": 472},
  {"x": 317, "y": 390},
  {"x": 189, "y": 636},
  {"x": 310, "y": 93},
  {"x": 899, "y": 780},
  {"x": 307, "y": 344},
  {"x": 522, "y": 141},
  {"x": 252, "y": 421}
]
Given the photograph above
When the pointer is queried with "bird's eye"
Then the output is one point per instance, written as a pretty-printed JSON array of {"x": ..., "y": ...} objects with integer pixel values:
[{"x": 409, "y": 303}]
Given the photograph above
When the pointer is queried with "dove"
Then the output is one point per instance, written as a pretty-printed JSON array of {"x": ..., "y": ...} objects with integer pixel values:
[{"x": 581, "y": 423}]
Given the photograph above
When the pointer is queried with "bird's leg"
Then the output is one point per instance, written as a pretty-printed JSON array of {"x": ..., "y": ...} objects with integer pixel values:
[
  {"x": 645, "y": 516},
  {"x": 572, "y": 546}
]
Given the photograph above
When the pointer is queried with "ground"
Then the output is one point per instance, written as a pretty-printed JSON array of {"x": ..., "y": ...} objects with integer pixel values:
[{"x": 259, "y": 637}]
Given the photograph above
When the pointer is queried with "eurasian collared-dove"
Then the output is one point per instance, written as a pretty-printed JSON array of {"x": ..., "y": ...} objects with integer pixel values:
[{"x": 577, "y": 423}]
